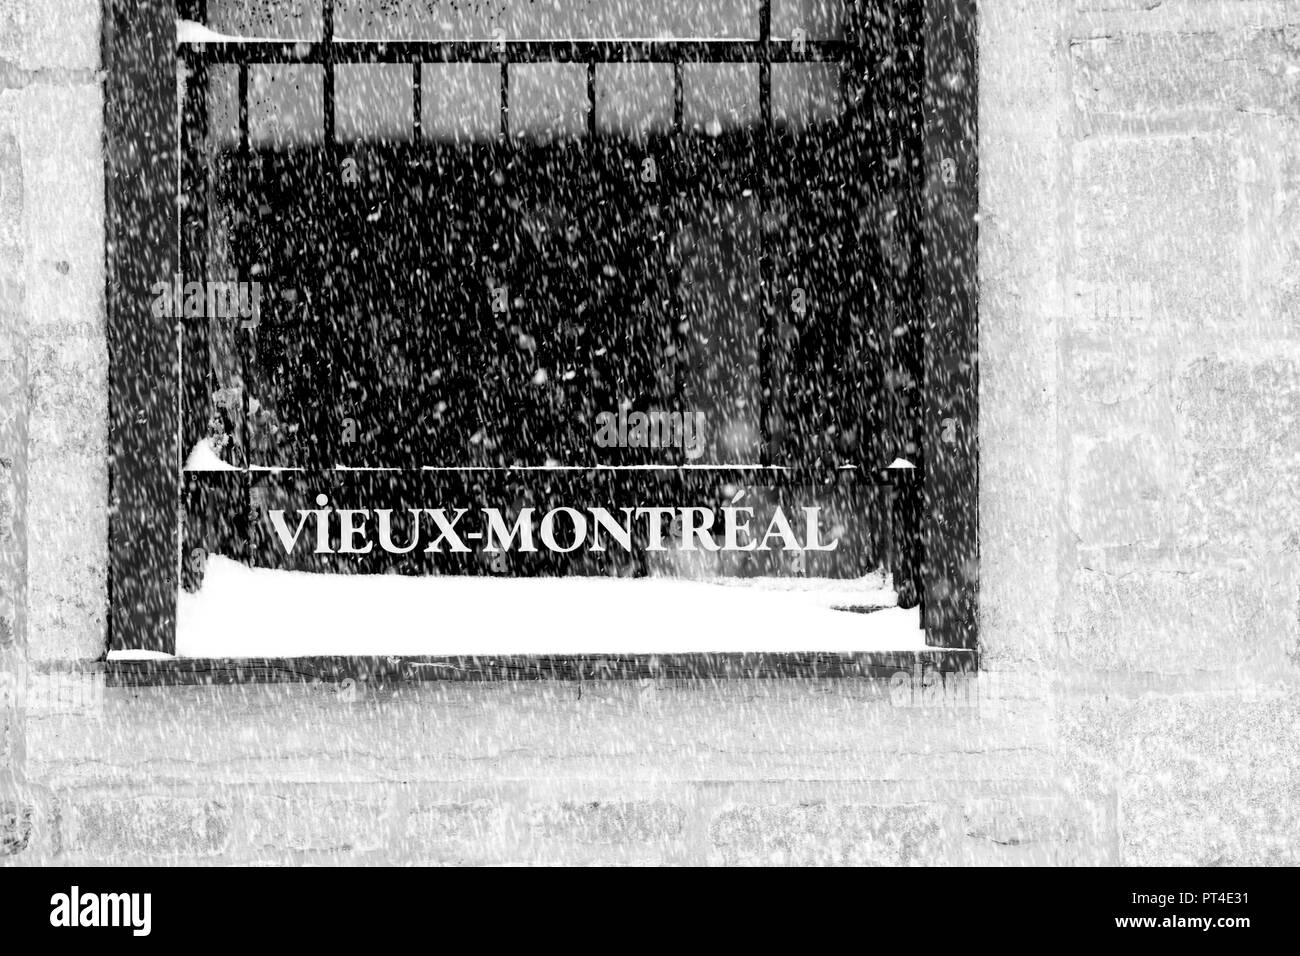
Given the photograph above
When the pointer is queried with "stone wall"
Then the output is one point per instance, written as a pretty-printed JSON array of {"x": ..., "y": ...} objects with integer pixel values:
[
  {"x": 1178, "y": 419},
  {"x": 1140, "y": 536}
]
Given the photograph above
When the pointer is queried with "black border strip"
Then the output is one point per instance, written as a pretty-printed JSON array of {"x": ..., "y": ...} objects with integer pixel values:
[
  {"x": 144, "y": 388},
  {"x": 949, "y": 532}
]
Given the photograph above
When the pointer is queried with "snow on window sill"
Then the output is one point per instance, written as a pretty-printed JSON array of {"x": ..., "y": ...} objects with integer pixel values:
[{"x": 243, "y": 612}]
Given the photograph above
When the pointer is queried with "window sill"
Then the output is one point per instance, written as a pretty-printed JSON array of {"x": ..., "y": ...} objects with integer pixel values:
[{"x": 379, "y": 671}]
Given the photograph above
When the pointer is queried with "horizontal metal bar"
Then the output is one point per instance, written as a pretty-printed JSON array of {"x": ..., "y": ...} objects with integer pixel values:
[
  {"x": 520, "y": 51},
  {"x": 757, "y": 474}
]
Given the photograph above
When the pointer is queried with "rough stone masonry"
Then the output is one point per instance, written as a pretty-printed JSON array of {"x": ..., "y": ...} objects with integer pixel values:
[{"x": 1140, "y": 532}]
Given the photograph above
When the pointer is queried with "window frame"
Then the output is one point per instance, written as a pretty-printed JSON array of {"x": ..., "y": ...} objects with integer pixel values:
[{"x": 145, "y": 408}]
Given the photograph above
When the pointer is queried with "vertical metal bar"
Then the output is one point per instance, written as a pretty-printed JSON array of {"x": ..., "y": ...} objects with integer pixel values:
[
  {"x": 591, "y": 104},
  {"x": 196, "y": 378},
  {"x": 895, "y": 70},
  {"x": 766, "y": 383},
  {"x": 864, "y": 318},
  {"x": 845, "y": 65},
  {"x": 243, "y": 342},
  {"x": 671, "y": 190},
  {"x": 417, "y": 106},
  {"x": 677, "y": 97},
  {"x": 911, "y": 144},
  {"x": 911, "y": 150},
  {"x": 591, "y": 181},
  {"x": 327, "y": 39},
  {"x": 196, "y": 189},
  {"x": 243, "y": 109},
  {"x": 886, "y": 101},
  {"x": 505, "y": 100}
]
